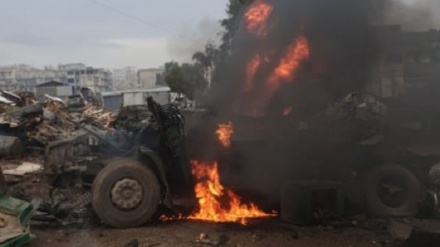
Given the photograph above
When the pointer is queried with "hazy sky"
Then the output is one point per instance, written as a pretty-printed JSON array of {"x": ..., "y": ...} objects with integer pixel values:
[
  {"x": 106, "y": 33},
  {"x": 117, "y": 33}
]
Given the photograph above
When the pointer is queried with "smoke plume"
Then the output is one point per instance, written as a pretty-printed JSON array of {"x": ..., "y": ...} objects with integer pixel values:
[
  {"x": 342, "y": 50},
  {"x": 413, "y": 15},
  {"x": 293, "y": 58},
  {"x": 286, "y": 57},
  {"x": 189, "y": 40}
]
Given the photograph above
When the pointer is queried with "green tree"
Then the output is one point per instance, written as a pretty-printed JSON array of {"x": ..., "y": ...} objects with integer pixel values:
[
  {"x": 185, "y": 78},
  {"x": 234, "y": 11},
  {"x": 231, "y": 24},
  {"x": 207, "y": 59},
  {"x": 193, "y": 79}
]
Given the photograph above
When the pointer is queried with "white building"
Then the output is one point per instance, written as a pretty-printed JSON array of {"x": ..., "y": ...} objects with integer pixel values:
[
  {"x": 7, "y": 78},
  {"x": 124, "y": 78},
  {"x": 26, "y": 78},
  {"x": 114, "y": 100},
  {"x": 149, "y": 78},
  {"x": 79, "y": 75}
]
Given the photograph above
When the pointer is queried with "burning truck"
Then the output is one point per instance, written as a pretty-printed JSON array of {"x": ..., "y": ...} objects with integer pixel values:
[
  {"x": 294, "y": 88},
  {"x": 380, "y": 167},
  {"x": 124, "y": 166},
  {"x": 128, "y": 167}
]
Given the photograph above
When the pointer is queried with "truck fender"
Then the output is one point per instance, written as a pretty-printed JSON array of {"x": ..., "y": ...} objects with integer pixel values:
[{"x": 159, "y": 169}]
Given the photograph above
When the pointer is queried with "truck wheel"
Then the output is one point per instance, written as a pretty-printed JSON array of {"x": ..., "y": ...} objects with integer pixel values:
[
  {"x": 125, "y": 193},
  {"x": 392, "y": 190}
]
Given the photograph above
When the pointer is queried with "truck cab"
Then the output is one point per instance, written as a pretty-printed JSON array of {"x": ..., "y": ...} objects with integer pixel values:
[{"x": 132, "y": 169}]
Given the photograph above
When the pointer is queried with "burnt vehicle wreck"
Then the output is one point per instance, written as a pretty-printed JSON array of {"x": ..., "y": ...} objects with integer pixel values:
[
  {"x": 128, "y": 168},
  {"x": 357, "y": 147},
  {"x": 121, "y": 166}
]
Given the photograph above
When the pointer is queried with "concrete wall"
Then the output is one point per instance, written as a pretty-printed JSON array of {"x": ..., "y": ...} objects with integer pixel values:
[
  {"x": 41, "y": 91},
  {"x": 139, "y": 98},
  {"x": 112, "y": 102},
  {"x": 64, "y": 91},
  {"x": 133, "y": 98},
  {"x": 56, "y": 91},
  {"x": 160, "y": 97},
  {"x": 147, "y": 78}
]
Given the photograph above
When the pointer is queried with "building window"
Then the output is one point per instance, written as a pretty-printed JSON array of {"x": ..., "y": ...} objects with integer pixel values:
[{"x": 70, "y": 80}]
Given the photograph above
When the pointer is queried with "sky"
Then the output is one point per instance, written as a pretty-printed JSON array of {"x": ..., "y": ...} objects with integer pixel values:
[
  {"x": 117, "y": 33},
  {"x": 106, "y": 33}
]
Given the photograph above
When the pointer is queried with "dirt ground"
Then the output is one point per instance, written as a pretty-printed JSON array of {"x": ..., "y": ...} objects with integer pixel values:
[
  {"x": 270, "y": 232},
  {"x": 259, "y": 232}
]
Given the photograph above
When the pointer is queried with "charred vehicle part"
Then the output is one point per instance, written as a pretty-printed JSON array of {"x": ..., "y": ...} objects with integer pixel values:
[
  {"x": 129, "y": 169},
  {"x": 392, "y": 177},
  {"x": 354, "y": 143},
  {"x": 132, "y": 117}
]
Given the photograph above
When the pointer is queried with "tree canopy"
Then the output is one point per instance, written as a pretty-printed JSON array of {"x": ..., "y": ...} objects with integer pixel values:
[{"x": 185, "y": 78}]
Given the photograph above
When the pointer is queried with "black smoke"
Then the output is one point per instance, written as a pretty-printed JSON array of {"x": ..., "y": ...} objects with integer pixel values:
[
  {"x": 413, "y": 15},
  {"x": 344, "y": 47}
]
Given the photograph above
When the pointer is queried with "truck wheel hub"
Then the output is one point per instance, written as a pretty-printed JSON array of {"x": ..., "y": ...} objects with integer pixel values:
[{"x": 126, "y": 193}]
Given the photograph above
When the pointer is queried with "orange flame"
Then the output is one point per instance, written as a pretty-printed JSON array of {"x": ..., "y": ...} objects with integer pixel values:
[
  {"x": 224, "y": 133},
  {"x": 287, "y": 111},
  {"x": 256, "y": 18},
  {"x": 288, "y": 65},
  {"x": 251, "y": 70},
  {"x": 216, "y": 203}
]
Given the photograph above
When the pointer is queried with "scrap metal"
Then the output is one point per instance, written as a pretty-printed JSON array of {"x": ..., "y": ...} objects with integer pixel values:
[{"x": 15, "y": 215}]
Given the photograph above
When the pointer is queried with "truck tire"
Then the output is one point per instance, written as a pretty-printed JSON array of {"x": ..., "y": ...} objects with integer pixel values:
[
  {"x": 392, "y": 191},
  {"x": 125, "y": 193}
]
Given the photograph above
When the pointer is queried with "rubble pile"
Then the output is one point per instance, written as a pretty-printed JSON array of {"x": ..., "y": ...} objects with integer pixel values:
[
  {"x": 40, "y": 123},
  {"x": 99, "y": 116},
  {"x": 48, "y": 127}
]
